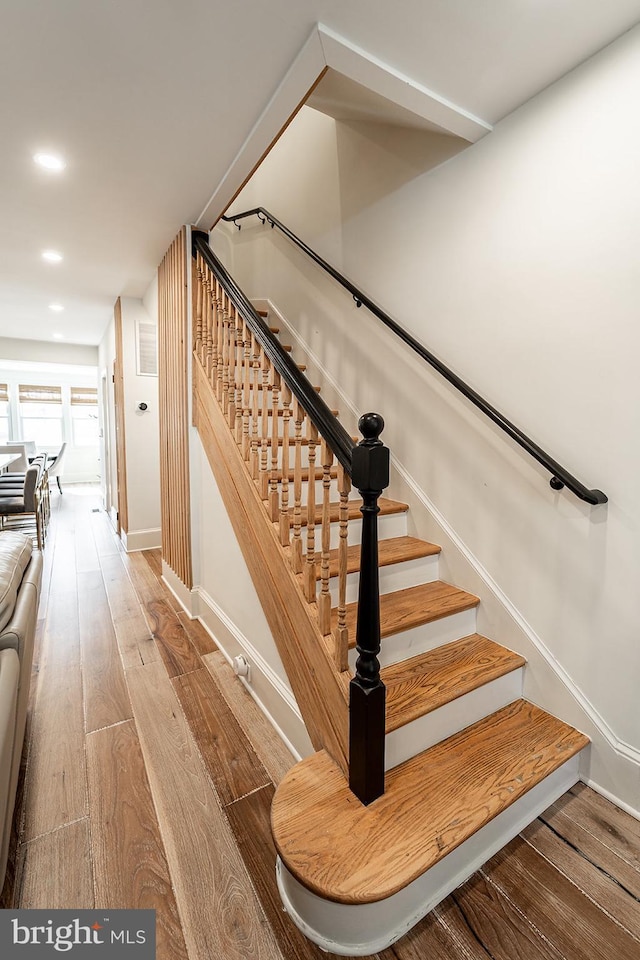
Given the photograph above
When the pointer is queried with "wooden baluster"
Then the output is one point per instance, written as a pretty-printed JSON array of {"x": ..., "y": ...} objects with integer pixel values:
[
  {"x": 236, "y": 424},
  {"x": 219, "y": 318},
  {"x": 370, "y": 475},
  {"x": 296, "y": 544},
  {"x": 255, "y": 408},
  {"x": 198, "y": 279},
  {"x": 324, "y": 600},
  {"x": 264, "y": 425},
  {"x": 310, "y": 560},
  {"x": 208, "y": 323},
  {"x": 226, "y": 350},
  {"x": 285, "y": 519},
  {"x": 246, "y": 381},
  {"x": 341, "y": 634},
  {"x": 275, "y": 448},
  {"x": 233, "y": 349},
  {"x": 212, "y": 313}
]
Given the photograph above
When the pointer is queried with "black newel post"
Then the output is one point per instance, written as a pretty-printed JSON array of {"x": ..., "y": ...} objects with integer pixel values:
[{"x": 370, "y": 476}]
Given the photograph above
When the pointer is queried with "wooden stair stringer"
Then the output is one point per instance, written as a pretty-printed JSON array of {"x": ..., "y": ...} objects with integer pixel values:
[{"x": 317, "y": 687}]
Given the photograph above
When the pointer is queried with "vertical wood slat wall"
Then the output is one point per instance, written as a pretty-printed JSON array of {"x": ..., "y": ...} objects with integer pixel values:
[
  {"x": 118, "y": 399},
  {"x": 174, "y": 348}
]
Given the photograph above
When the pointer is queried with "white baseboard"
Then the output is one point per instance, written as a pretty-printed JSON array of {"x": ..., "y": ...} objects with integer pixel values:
[
  {"x": 271, "y": 694},
  {"x": 183, "y": 594},
  {"x": 135, "y": 540}
]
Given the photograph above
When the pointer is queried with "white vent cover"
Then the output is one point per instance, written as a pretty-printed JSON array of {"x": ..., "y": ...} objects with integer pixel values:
[{"x": 147, "y": 348}]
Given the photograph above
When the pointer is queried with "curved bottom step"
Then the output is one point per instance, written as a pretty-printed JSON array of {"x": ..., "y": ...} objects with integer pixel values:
[{"x": 355, "y": 930}]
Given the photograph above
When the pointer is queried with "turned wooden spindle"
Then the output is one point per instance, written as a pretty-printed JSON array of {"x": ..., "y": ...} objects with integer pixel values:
[
  {"x": 256, "y": 374},
  {"x": 246, "y": 388},
  {"x": 285, "y": 519},
  {"x": 212, "y": 319},
  {"x": 226, "y": 348},
  {"x": 296, "y": 543},
  {"x": 267, "y": 371},
  {"x": 341, "y": 633},
  {"x": 198, "y": 279},
  {"x": 208, "y": 323},
  {"x": 219, "y": 322},
  {"x": 324, "y": 600},
  {"x": 236, "y": 423},
  {"x": 275, "y": 447},
  {"x": 310, "y": 559}
]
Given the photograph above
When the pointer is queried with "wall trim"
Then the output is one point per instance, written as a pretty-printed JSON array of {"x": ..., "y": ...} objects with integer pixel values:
[
  {"x": 268, "y": 690},
  {"x": 182, "y": 593},
  {"x": 135, "y": 540},
  {"x": 632, "y": 811},
  {"x": 619, "y": 746}
]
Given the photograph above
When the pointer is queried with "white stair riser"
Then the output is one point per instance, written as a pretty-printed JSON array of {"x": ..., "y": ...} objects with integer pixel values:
[
  {"x": 393, "y": 576},
  {"x": 362, "y": 929},
  {"x": 410, "y": 643},
  {"x": 426, "y": 731}
]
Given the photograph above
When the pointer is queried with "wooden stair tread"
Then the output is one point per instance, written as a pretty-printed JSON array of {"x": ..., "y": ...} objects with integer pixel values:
[
  {"x": 394, "y": 550},
  {"x": 386, "y": 507},
  {"x": 349, "y": 853},
  {"x": 417, "y": 686},
  {"x": 411, "y": 607}
]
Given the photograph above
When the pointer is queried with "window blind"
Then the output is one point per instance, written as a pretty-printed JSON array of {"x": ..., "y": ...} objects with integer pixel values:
[
  {"x": 29, "y": 393},
  {"x": 84, "y": 395}
]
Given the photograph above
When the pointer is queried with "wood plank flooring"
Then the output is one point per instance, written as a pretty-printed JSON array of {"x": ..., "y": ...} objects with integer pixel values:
[{"x": 149, "y": 773}]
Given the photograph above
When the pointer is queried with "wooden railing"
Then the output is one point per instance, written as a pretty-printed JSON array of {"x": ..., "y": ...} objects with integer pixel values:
[{"x": 292, "y": 443}]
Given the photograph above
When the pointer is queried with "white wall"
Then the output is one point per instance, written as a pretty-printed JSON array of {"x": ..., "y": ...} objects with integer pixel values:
[
  {"x": 141, "y": 428},
  {"x": 109, "y": 480},
  {"x": 225, "y": 600},
  {"x": 142, "y": 436},
  {"x": 517, "y": 263}
]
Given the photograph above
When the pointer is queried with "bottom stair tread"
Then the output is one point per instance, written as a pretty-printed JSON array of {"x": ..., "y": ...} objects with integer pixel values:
[{"x": 349, "y": 853}]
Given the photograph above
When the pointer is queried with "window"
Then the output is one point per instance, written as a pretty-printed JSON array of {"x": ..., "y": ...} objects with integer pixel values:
[
  {"x": 41, "y": 415},
  {"x": 4, "y": 413},
  {"x": 84, "y": 416}
]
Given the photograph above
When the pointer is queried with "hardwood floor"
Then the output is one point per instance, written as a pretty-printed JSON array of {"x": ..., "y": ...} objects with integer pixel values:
[{"x": 149, "y": 773}]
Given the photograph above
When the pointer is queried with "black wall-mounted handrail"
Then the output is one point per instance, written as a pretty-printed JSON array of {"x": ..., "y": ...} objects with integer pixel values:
[
  {"x": 328, "y": 426},
  {"x": 560, "y": 477}
]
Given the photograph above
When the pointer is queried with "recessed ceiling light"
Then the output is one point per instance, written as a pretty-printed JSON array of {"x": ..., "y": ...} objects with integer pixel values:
[
  {"x": 52, "y": 256},
  {"x": 56, "y": 307},
  {"x": 58, "y": 336},
  {"x": 50, "y": 161}
]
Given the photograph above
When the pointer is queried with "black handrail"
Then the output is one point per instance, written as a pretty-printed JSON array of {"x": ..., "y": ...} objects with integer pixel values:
[
  {"x": 329, "y": 427},
  {"x": 560, "y": 477}
]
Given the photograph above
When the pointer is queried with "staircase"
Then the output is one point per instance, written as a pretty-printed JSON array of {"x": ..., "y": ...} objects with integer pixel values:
[{"x": 468, "y": 762}]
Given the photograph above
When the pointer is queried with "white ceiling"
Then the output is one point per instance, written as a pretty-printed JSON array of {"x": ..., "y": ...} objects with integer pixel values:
[{"x": 150, "y": 100}]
